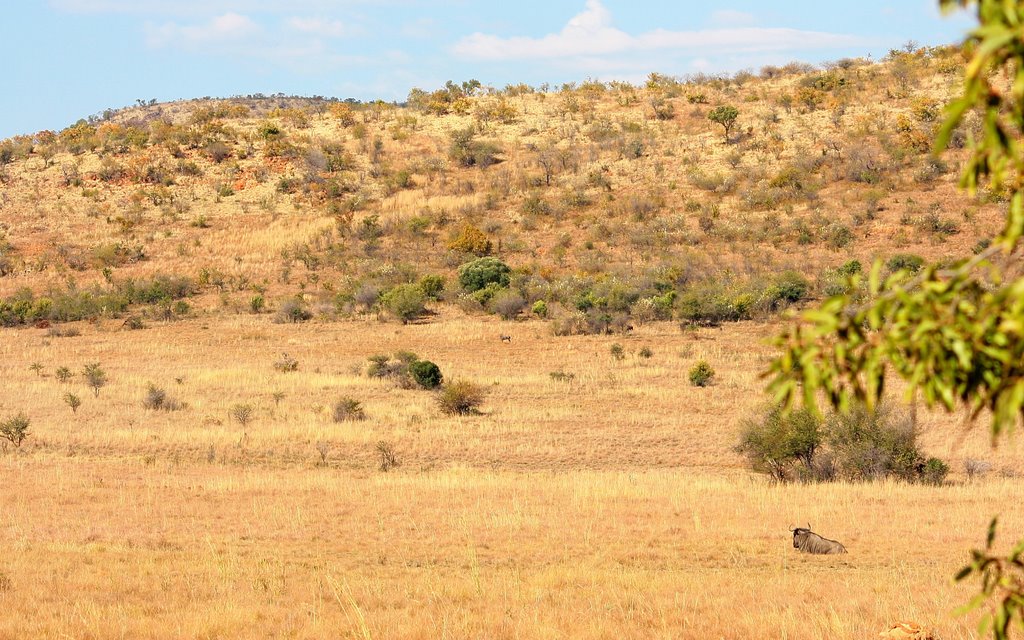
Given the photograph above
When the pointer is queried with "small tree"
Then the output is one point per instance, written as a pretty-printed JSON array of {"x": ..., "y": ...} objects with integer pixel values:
[
  {"x": 37, "y": 367},
  {"x": 871, "y": 443},
  {"x": 72, "y": 401},
  {"x": 243, "y": 414},
  {"x": 726, "y": 116},
  {"x": 95, "y": 377},
  {"x": 64, "y": 374},
  {"x": 15, "y": 429},
  {"x": 460, "y": 398},
  {"x": 773, "y": 441}
]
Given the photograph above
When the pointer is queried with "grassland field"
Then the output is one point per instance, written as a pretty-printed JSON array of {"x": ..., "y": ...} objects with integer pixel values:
[{"x": 607, "y": 505}]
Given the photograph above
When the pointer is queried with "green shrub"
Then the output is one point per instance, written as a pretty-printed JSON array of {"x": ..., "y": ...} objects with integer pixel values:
[
  {"x": 617, "y": 351},
  {"x": 724, "y": 115},
  {"x": 461, "y": 397},
  {"x": 540, "y": 309},
  {"x": 908, "y": 262},
  {"x": 380, "y": 366},
  {"x": 432, "y": 286},
  {"x": 405, "y": 302},
  {"x": 786, "y": 288},
  {"x": 481, "y": 272},
  {"x": 934, "y": 471},
  {"x": 257, "y": 304},
  {"x": 426, "y": 374},
  {"x": 774, "y": 441},
  {"x": 701, "y": 374},
  {"x": 243, "y": 414}
]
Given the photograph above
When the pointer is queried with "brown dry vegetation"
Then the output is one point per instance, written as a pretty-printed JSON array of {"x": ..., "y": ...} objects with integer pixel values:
[{"x": 605, "y": 501}]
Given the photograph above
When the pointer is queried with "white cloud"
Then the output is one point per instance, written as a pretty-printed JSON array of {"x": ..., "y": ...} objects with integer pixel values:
[
  {"x": 227, "y": 29},
  {"x": 591, "y": 33},
  {"x": 319, "y": 27},
  {"x": 731, "y": 18},
  {"x": 300, "y": 45}
]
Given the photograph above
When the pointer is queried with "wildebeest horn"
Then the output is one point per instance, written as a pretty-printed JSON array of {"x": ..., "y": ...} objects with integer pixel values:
[
  {"x": 792, "y": 529},
  {"x": 809, "y": 526}
]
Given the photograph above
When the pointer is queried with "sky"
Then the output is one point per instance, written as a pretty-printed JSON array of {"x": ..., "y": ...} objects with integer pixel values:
[{"x": 67, "y": 59}]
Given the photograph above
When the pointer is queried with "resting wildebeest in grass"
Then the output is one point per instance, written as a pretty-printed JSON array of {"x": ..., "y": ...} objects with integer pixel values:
[{"x": 809, "y": 542}]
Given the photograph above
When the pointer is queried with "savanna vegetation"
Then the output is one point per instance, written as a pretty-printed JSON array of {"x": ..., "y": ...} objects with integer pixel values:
[{"x": 490, "y": 362}]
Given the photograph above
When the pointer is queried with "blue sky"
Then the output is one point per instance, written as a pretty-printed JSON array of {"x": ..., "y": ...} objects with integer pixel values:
[{"x": 72, "y": 58}]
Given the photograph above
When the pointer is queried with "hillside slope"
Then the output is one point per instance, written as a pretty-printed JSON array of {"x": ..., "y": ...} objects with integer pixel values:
[{"x": 612, "y": 203}]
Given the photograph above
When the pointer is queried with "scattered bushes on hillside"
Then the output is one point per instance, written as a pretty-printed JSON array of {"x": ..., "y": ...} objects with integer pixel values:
[{"x": 856, "y": 445}]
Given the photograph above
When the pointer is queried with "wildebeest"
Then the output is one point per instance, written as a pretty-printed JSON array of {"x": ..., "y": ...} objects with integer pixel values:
[{"x": 809, "y": 542}]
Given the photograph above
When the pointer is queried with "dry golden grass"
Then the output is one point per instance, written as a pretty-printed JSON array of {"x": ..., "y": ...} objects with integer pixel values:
[{"x": 605, "y": 507}]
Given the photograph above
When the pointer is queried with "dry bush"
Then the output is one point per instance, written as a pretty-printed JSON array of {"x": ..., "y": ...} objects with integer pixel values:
[
  {"x": 347, "y": 409},
  {"x": 461, "y": 397}
]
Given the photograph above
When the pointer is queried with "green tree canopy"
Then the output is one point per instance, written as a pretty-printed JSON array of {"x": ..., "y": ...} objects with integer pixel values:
[{"x": 726, "y": 116}]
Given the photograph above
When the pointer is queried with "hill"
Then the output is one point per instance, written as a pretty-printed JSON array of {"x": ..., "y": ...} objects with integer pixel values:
[{"x": 607, "y": 200}]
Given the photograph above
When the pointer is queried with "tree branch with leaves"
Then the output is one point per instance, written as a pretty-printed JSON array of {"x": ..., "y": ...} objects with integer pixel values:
[{"x": 954, "y": 335}]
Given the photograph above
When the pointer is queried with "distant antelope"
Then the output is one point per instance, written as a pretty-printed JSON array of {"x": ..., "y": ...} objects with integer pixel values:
[
  {"x": 809, "y": 542},
  {"x": 505, "y": 338}
]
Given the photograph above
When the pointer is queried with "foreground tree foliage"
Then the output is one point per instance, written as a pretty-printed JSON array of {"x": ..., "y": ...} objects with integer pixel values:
[{"x": 955, "y": 335}]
